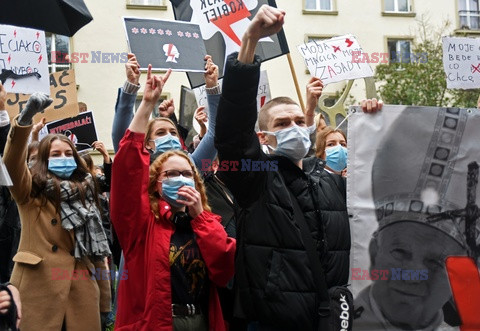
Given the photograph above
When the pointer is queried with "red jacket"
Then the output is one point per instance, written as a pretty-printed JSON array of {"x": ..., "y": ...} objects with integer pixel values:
[{"x": 144, "y": 299}]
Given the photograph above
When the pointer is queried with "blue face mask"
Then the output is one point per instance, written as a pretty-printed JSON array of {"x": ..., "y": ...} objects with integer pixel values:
[
  {"x": 166, "y": 143},
  {"x": 63, "y": 167},
  {"x": 292, "y": 142},
  {"x": 336, "y": 157},
  {"x": 170, "y": 187}
]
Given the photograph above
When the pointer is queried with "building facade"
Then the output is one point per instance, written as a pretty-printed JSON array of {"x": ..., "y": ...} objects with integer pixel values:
[{"x": 383, "y": 26}]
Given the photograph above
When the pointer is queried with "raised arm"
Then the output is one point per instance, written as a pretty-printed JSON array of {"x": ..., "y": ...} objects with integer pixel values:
[
  {"x": 314, "y": 92},
  {"x": 15, "y": 153},
  {"x": 206, "y": 148},
  {"x": 126, "y": 100},
  {"x": 235, "y": 136}
]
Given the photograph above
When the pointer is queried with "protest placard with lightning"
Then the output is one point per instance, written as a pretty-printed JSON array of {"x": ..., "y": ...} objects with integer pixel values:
[
  {"x": 23, "y": 60},
  {"x": 223, "y": 23}
]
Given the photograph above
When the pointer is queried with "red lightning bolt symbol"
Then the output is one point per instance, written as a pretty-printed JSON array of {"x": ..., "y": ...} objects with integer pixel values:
[
  {"x": 9, "y": 58},
  {"x": 15, "y": 33},
  {"x": 40, "y": 58},
  {"x": 13, "y": 83},
  {"x": 38, "y": 34},
  {"x": 224, "y": 22}
]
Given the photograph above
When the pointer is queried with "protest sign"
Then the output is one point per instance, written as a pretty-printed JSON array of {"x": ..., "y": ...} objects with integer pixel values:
[
  {"x": 23, "y": 60},
  {"x": 223, "y": 24},
  {"x": 63, "y": 91},
  {"x": 79, "y": 129},
  {"x": 413, "y": 196},
  {"x": 166, "y": 44},
  {"x": 331, "y": 59},
  {"x": 461, "y": 62}
]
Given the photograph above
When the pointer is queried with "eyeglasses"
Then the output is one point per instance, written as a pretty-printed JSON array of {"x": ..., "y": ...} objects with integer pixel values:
[{"x": 177, "y": 173}]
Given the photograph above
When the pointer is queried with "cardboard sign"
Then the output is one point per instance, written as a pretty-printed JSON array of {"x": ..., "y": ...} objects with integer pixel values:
[
  {"x": 79, "y": 129},
  {"x": 166, "y": 44},
  {"x": 461, "y": 62},
  {"x": 63, "y": 91},
  {"x": 24, "y": 52},
  {"x": 331, "y": 59}
]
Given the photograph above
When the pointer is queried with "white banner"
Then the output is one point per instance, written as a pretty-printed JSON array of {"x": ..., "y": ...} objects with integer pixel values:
[
  {"x": 24, "y": 52},
  {"x": 331, "y": 59},
  {"x": 461, "y": 62}
]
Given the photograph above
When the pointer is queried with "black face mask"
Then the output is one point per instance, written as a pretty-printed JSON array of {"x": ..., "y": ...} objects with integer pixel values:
[{"x": 181, "y": 220}]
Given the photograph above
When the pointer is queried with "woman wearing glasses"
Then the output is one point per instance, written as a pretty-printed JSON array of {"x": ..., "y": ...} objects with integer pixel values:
[{"x": 176, "y": 250}]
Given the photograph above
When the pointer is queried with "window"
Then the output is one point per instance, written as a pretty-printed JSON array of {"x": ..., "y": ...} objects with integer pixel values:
[
  {"x": 469, "y": 14},
  {"x": 397, "y": 6},
  {"x": 318, "y": 5},
  {"x": 59, "y": 47},
  {"x": 146, "y": 4},
  {"x": 399, "y": 50}
]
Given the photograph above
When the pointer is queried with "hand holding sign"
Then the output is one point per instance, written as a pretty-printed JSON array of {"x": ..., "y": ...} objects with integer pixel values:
[
  {"x": 132, "y": 69},
  {"x": 314, "y": 92},
  {"x": 211, "y": 72}
]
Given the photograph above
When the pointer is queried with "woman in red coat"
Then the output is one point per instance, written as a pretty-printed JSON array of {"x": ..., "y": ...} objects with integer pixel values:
[{"x": 176, "y": 250}]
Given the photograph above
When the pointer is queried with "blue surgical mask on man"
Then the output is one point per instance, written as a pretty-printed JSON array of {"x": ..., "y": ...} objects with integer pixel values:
[
  {"x": 337, "y": 157},
  {"x": 170, "y": 187},
  {"x": 166, "y": 143},
  {"x": 293, "y": 142},
  {"x": 62, "y": 167}
]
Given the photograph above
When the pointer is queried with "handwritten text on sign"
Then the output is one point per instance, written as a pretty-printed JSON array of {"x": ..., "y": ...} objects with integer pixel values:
[
  {"x": 63, "y": 91},
  {"x": 331, "y": 59},
  {"x": 461, "y": 62},
  {"x": 24, "y": 51}
]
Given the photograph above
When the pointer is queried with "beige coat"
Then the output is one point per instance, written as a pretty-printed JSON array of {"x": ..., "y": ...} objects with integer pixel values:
[{"x": 53, "y": 285}]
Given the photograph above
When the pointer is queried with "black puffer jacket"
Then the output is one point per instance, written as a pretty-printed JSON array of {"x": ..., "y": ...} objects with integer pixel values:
[
  {"x": 331, "y": 199},
  {"x": 274, "y": 281}
]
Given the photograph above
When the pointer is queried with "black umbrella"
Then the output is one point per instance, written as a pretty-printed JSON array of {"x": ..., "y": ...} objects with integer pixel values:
[{"x": 63, "y": 17}]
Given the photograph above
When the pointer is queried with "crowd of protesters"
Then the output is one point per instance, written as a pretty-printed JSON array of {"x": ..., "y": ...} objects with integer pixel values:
[{"x": 195, "y": 248}]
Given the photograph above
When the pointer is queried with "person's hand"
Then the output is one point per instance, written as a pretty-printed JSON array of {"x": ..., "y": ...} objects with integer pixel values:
[
  {"x": 5, "y": 302},
  {"x": 18, "y": 303},
  {"x": 132, "y": 68},
  {"x": 100, "y": 146},
  {"x": 39, "y": 126},
  {"x": 166, "y": 108},
  {"x": 154, "y": 85},
  {"x": 268, "y": 20},
  {"x": 3, "y": 97},
  {"x": 211, "y": 72},
  {"x": 201, "y": 117},
  {"x": 35, "y": 104},
  {"x": 371, "y": 105},
  {"x": 192, "y": 200},
  {"x": 314, "y": 92}
]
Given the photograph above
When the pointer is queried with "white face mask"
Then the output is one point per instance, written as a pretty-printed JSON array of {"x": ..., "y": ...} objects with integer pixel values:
[{"x": 293, "y": 142}]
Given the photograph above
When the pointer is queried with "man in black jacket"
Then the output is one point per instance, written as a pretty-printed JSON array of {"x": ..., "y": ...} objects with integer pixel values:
[{"x": 274, "y": 281}]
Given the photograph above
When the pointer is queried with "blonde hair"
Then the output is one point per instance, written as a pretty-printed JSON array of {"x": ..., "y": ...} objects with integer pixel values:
[
  {"x": 321, "y": 140},
  {"x": 150, "y": 127},
  {"x": 155, "y": 173}
]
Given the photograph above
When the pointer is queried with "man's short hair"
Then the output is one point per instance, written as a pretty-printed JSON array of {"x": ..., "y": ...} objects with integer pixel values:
[{"x": 264, "y": 114}]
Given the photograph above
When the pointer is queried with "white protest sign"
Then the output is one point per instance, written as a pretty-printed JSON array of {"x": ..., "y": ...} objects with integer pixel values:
[
  {"x": 264, "y": 94},
  {"x": 24, "y": 52},
  {"x": 461, "y": 62},
  {"x": 331, "y": 59}
]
